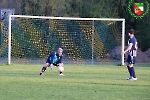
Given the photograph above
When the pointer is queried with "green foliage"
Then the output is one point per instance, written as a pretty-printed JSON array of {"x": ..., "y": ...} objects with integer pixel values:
[
  {"x": 81, "y": 82},
  {"x": 104, "y": 9},
  {"x": 142, "y": 34},
  {"x": 74, "y": 8}
]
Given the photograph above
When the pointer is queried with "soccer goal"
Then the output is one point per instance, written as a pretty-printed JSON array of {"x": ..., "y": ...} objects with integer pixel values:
[{"x": 84, "y": 40}]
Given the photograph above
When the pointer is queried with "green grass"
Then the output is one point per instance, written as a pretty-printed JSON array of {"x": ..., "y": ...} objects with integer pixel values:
[{"x": 81, "y": 82}]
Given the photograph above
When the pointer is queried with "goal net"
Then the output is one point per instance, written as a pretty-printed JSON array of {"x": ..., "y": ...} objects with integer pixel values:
[{"x": 84, "y": 40}]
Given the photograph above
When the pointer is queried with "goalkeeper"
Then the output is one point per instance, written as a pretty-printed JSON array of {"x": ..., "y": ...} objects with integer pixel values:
[{"x": 55, "y": 58}]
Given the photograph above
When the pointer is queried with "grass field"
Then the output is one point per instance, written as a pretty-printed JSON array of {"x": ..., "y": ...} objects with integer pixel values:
[{"x": 81, "y": 82}]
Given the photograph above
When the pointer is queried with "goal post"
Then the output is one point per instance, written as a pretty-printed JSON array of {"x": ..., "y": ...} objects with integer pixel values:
[
  {"x": 123, "y": 41},
  {"x": 87, "y": 29}
]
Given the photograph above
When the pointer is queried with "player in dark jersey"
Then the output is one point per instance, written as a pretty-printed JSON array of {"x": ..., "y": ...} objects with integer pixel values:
[
  {"x": 55, "y": 58},
  {"x": 132, "y": 50}
]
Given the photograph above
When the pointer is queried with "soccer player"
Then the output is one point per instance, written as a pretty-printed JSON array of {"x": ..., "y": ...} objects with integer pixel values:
[
  {"x": 132, "y": 50},
  {"x": 55, "y": 58}
]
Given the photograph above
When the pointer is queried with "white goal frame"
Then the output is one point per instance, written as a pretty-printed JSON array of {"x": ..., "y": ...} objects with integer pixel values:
[{"x": 66, "y": 18}]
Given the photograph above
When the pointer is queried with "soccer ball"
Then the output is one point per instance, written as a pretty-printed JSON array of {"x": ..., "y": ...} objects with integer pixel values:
[{"x": 60, "y": 68}]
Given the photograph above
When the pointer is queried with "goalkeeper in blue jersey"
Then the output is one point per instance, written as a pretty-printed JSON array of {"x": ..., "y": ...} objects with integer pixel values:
[
  {"x": 132, "y": 50},
  {"x": 54, "y": 59}
]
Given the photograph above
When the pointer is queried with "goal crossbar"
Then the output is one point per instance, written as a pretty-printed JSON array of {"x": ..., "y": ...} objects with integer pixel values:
[{"x": 69, "y": 18}]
